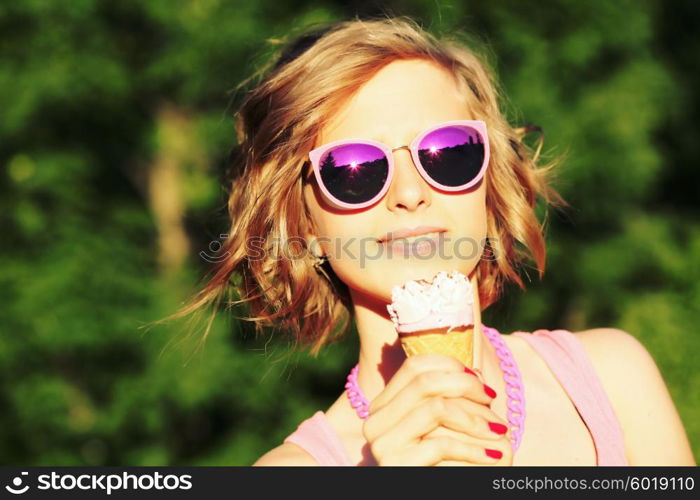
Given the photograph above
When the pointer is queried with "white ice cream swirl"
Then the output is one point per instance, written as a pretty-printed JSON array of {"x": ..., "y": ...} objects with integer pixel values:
[{"x": 447, "y": 301}]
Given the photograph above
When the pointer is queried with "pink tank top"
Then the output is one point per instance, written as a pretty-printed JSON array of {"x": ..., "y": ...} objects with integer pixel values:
[{"x": 566, "y": 358}]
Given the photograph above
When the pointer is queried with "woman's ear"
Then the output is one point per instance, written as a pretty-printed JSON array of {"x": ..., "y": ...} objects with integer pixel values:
[
  {"x": 313, "y": 243},
  {"x": 315, "y": 246}
]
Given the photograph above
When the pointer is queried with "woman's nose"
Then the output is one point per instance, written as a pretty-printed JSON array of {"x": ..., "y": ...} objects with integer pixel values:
[{"x": 408, "y": 189}]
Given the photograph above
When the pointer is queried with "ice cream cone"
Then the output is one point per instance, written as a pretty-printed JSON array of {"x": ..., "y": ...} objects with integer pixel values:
[
  {"x": 458, "y": 343},
  {"x": 436, "y": 317}
]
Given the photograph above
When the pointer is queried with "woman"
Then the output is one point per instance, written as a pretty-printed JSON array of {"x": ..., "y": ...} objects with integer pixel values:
[{"x": 314, "y": 243}]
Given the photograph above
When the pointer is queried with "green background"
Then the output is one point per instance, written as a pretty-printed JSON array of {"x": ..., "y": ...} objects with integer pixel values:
[{"x": 116, "y": 126}]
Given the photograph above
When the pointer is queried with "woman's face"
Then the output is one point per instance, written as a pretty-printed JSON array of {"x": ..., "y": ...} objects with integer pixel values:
[{"x": 400, "y": 101}]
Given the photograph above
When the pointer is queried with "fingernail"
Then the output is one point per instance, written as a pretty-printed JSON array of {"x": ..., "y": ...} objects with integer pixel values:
[
  {"x": 498, "y": 428},
  {"x": 490, "y": 392},
  {"x": 493, "y": 453},
  {"x": 467, "y": 370}
]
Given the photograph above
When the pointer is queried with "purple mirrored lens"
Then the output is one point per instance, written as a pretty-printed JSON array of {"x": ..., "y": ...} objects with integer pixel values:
[
  {"x": 354, "y": 173},
  {"x": 452, "y": 156}
]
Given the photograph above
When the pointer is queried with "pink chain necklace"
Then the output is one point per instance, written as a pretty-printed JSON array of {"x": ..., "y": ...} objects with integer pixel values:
[{"x": 511, "y": 375}]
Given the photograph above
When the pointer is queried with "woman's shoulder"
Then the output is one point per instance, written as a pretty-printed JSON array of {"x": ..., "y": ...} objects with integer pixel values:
[
  {"x": 618, "y": 358},
  {"x": 596, "y": 338},
  {"x": 286, "y": 454},
  {"x": 654, "y": 433},
  {"x": 625, "y": 368},
  {"x": 615, "y": 354},
  {"x": 604, "y": 347}
]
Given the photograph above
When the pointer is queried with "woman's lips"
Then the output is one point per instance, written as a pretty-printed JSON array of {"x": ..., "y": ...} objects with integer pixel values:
[
  {"x": 420, "y": 245},
  {"x": 410, "y": 232}
]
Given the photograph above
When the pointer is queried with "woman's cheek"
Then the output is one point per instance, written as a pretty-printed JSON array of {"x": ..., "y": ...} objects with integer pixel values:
[{"x": 468, "y": 244}]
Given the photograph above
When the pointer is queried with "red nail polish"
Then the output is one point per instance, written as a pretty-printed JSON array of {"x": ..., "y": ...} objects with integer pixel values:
[
  {"x": 498, "y": 428},
  {"x": 493, "y": 453},
  {"x": 467, "y": 370},
  {"x": 489, "y": 392}
]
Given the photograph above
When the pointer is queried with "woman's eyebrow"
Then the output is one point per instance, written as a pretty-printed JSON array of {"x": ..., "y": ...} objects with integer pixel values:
[{"x": 382, "y": 136}]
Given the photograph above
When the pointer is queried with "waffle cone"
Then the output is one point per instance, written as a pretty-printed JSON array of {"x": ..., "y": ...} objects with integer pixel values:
[{"x": 458, "y": 343}]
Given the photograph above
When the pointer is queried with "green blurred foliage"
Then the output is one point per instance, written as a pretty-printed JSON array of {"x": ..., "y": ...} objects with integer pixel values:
[{"x": 81, "y": 84}]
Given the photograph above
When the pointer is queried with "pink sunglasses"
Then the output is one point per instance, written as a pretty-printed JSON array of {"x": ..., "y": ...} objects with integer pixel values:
[{"x": 356, "y": 173}]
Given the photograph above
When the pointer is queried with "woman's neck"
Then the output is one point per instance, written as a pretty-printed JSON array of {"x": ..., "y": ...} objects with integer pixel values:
[{"x": 381, "y": 353}]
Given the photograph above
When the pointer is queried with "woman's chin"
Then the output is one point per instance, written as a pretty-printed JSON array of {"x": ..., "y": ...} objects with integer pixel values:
[{"x": 396, "y": 274}]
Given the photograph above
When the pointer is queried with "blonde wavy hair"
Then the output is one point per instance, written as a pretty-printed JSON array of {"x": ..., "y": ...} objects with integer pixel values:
[{"x": 277, "y": 124}]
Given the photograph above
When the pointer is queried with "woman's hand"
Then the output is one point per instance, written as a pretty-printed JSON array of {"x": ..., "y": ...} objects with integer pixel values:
[
  {"x": 501, "y": 450},
  {"x": 432, "y": 412}
]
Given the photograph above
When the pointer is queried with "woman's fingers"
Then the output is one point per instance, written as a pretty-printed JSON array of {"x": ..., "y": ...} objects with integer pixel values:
[
  {"x": 433, "y": 451},
  {"x": 423, "y": 390},
  {"x": 500, "y": 450},
  {"x": 412, "y": 367},
  {"x": 457, "y": 414},
  {"x": 479, "y": 420}
]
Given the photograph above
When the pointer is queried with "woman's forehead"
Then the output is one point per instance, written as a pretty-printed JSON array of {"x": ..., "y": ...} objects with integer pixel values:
[{"x": 399, "y": 101}]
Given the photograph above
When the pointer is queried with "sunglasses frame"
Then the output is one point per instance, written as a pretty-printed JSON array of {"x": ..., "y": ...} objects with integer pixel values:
[{"x": 316, "y": 155}]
